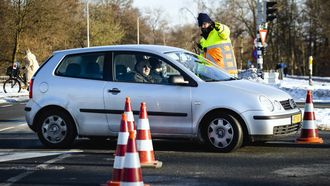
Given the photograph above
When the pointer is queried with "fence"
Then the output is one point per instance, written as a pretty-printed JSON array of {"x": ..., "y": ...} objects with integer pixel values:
[{"x": 3, "y": 78}]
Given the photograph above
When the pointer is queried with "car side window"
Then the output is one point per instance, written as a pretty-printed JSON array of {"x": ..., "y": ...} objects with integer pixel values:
[
  {"x": 89, "y": 66},
  {"x": 123, "y": 65},
  {"x": 142, "y": 68}
]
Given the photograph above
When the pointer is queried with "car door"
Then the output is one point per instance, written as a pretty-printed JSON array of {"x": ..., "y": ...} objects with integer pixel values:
[
  {"x": 168, "y": 105},
  {"x": 83, "y": 84}
]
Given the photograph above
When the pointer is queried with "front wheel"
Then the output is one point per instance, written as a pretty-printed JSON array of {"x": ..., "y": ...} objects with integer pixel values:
[
  {"x": 12, "y": 85},
  {"x": 222, "y": 132},
  {"x": 56, "y": 129}
]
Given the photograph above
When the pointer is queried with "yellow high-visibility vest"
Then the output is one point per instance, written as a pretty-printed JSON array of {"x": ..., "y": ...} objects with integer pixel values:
[{"x": 218, "y": 49}]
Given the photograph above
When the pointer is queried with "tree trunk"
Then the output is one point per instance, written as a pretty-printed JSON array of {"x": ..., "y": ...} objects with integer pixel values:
[{"x": 16, "y": 46}]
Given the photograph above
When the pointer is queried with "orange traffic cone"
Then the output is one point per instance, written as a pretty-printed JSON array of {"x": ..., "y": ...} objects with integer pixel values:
[
  {"x": 118, "y": 164},
  {"x": 144, "y": 142},
  {"x": 132, "y": 172},
  {"x": 129, "y": 114},
  {"x": 309, "y": 132}
]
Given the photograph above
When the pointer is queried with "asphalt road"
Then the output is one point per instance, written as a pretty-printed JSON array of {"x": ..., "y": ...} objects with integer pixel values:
[{"x": 24, "y": 161}]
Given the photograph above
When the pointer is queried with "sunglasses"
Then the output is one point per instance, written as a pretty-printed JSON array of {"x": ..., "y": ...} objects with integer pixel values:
[{"x": 146, "y": 66}]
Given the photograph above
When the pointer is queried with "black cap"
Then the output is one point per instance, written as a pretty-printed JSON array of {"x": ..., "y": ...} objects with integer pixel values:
[{"x": 202, "y": 17}]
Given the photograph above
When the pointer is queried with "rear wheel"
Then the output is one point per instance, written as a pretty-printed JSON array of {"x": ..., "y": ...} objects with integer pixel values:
[
  {"x": 56, "y": 129},
  {"x": 12, "y": 85},
  {"x": 222, "y": 132}
]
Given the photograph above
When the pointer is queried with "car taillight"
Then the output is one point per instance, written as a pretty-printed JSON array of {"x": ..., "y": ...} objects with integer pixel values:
[{"x": 30, "y": 89}]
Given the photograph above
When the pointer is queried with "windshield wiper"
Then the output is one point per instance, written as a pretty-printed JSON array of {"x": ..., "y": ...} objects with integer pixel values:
[
  {"x": 215, "y": 80},
  {"x": 230, "y": 79},
  {"x": 212, "y": 80}
]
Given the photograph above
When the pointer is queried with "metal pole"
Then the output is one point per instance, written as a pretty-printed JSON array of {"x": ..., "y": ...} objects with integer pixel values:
[
  {"x": 164, "y": 39},
  {"x": 87, "y": 12},
  {"x": 260, "y": 20},
  {"x": 138, "y": 30}
]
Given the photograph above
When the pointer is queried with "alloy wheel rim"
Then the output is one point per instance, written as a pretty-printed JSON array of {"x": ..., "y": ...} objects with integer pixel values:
[
  {"x": 220, "y": 133},
  {"x": 54, "y": 129}
]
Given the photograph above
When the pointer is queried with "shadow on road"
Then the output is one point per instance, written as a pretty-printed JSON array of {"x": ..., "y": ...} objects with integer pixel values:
[{"x": 30, "y": 141}]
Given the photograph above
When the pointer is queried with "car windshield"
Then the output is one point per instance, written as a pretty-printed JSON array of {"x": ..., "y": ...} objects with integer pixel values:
[{"x": 201, "y": 67}]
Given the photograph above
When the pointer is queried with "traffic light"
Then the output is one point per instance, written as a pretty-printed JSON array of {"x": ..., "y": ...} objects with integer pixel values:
[{"x": 271, "y": 11}]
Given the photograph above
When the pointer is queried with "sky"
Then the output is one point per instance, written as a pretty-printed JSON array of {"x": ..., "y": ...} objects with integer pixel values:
[
  {"x": 295, "y": 87},
  {"x": 176, "y": 12}
]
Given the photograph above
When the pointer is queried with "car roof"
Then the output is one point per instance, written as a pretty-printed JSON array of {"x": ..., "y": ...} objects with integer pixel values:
[{"x": 142, "y": 48}]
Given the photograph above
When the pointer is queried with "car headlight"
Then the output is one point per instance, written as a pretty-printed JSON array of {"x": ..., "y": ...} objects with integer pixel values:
[
  {"x": 277, "y": 105},
  {"x": 265, "y": 102}
]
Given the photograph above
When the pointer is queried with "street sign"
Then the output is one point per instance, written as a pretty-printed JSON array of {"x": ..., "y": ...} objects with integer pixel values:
[{"x": 263, "y": 34}]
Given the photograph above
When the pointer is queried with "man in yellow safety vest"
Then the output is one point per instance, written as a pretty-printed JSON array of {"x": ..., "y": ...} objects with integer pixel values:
[{"x": 215, "y": 43}]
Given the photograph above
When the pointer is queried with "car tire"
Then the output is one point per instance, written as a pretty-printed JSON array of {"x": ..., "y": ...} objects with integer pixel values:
[
  {"x": 222, "y": 132},
  {"x": 56, "y": 129}
]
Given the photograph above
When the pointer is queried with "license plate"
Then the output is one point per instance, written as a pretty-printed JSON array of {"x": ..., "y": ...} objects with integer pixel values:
[{"x": 296, "y": 118}]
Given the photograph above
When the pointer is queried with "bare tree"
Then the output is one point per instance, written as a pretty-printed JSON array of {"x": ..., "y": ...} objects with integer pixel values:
[
  {"x": 155, "y": 19},
  {"x": 5, "y": 33},
  {"x": 301, "y": 29}
]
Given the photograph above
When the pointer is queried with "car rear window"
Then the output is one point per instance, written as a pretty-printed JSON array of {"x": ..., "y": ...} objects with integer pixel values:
[
  {"x": 88, "y": 66},
  {"x": 43, "y": 64}
]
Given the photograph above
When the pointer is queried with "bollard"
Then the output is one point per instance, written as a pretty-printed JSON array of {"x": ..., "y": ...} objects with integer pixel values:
[{"x": 310, "y": 70}]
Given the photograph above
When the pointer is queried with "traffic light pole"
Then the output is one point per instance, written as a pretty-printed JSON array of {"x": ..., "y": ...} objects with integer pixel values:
[
  {"x": 260, "y": 21},
  {"x": 266, "y": 12}
]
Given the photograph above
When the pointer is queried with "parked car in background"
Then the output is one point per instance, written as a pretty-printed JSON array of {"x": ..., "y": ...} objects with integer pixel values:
[{"x": 81, "y": 93}]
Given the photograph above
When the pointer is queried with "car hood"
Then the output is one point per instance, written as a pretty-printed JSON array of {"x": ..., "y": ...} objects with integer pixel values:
[
  {"x": 257, "y": 89},
  {"x": 237, "y": 95}
]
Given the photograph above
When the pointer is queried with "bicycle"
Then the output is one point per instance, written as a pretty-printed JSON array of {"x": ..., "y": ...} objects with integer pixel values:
[{"x": 16, "y": 79}]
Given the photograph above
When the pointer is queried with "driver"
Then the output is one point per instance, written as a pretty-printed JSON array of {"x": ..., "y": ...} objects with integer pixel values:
[{"x": 142, "y": 72}]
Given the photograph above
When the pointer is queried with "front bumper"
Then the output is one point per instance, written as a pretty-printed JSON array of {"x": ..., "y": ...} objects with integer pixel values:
[{"x": 261, "y": 124}]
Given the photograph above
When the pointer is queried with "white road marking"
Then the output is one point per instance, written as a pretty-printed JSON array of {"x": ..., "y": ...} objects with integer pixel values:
[
  {"x": 17, "y": 178},
  {"x": 304, "y": 170},
  {"x": 24, "y": 155},
  {"x": 9, "y": 128},
  {"x": 26, "y": 168},
  {"x": 11, "y": 156},
  {"x": 3, "y": 106}
]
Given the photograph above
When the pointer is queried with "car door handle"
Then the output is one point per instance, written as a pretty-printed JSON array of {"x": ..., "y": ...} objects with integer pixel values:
[{"x": 114, "y": 91}]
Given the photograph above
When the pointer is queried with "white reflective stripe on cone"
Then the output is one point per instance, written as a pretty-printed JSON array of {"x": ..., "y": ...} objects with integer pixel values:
[
  {"x": 122, "y": 138},
  {"x": 143, "y": 124},
  {"x": 131, "y": 183},
  {"x": 130, "y": 116},
  {"x": 119, "y": 162},
  {"x": 144, "y": 145},
  {"x": 309, "y": 124},
  {"x": 132, "y": 160},
  {"x": 309, "y": 107}
]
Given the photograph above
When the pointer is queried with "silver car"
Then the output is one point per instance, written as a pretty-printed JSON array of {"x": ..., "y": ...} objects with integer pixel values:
[{"x": 81, "y": 93}]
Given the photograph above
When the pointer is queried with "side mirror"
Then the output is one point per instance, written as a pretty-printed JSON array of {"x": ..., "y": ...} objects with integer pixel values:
[{"x": 178, "y": 79}]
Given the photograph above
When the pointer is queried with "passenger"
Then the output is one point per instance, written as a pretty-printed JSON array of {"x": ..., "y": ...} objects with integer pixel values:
[
  {"x": 157, "y": 70},
  {"x": 142, "y": 72}
]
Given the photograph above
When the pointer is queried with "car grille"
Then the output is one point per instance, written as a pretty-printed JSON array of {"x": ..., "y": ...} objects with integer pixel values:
[
  {"x": 288, "y": 104},
  {"x": 286, "y": 129}
]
